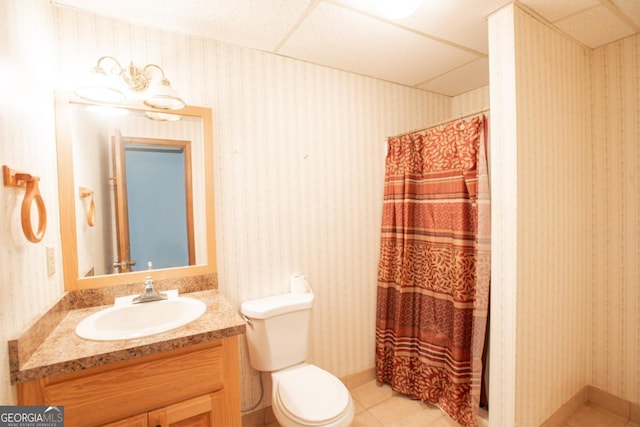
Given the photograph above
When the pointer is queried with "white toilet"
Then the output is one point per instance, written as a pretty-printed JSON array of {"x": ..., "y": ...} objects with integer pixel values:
[{"x": 278, "y": 340}]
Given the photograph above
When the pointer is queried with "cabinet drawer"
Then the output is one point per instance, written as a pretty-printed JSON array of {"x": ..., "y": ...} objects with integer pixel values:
[{"x": 128, "y": 390}]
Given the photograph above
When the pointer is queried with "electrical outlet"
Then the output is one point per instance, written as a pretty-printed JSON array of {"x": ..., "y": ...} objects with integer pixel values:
[{"x": 51, "y": 260}]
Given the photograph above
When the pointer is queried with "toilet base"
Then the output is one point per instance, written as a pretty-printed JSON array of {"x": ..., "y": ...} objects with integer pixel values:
[{"x": 288, "y": 419}]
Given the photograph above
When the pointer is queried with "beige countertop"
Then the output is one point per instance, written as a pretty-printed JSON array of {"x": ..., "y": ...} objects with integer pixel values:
[{"x": 63, "y": 351}]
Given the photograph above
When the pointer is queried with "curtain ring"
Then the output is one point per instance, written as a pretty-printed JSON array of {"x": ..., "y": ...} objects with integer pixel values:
[{"x": 32, "y": 195}]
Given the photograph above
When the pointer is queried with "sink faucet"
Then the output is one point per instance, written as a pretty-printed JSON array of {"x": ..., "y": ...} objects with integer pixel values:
[{"x": 149, "y": 294}]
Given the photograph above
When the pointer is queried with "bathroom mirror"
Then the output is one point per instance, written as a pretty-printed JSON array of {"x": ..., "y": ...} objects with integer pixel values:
[{"x": 135, "y": 186}]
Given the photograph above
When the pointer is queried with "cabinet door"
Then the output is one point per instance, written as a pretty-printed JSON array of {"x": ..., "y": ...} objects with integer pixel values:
[
  {"x": 202, "y": 411},
  {"x": 135, "y": 421}
]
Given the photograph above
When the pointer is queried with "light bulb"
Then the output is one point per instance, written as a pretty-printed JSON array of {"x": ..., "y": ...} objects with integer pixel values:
[{"x": 397, "y": 9}]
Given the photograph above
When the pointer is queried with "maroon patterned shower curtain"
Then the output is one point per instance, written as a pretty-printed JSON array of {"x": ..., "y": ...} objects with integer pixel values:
[{"x": 433, "y": 276}]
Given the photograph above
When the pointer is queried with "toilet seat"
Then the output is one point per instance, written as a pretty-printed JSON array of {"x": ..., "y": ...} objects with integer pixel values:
[{"x": 311, "y": 396}]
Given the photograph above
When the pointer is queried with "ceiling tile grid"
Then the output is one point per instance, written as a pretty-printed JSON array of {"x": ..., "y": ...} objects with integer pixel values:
[
  {"x": 255, "y": 24},
  {"x": 460, "y": 22},
  {"x": 630, "y": 8},
  {"x": 460, "y": 80},
  {"x": 554, "y": 10},
  {"x": 593, "y": 23},
  {"x": 595, "y": 27},
  {"x": 442, "y": 47},
  {"x": 340, "y": 38}
]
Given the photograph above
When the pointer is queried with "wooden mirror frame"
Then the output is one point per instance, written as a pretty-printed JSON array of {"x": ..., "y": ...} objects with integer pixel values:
[{"x": 67, "y": 200}]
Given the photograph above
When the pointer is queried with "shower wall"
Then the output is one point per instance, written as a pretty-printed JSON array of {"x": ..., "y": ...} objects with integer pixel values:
[
  {"x": 616, "y": 178},
  {"x": 566, "y": 126},
  {"x": 542, "y": 215}
]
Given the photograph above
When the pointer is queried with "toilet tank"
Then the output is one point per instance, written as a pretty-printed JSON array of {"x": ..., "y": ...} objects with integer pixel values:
[{"x": 278, "y": 333}]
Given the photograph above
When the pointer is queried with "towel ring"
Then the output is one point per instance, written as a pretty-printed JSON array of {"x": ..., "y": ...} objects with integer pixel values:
[
  {"x": 89, "y": 204},
  {"x": 32, "y": 195}
]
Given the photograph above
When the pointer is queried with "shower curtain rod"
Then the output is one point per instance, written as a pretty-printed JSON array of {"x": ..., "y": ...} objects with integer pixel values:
[{"x": 482, "y": 110}]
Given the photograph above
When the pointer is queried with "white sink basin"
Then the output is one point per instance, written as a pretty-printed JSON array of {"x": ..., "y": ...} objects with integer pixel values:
[{"x": 121, "y": 322}]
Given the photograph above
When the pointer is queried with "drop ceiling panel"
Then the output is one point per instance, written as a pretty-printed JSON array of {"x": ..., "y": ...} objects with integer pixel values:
[
  {"x": 462, "y": 22},
  {"x": 595, "y": 27},
  {"x": 553, "y": 10},
  {"x": 631, "y": 8},
  {"x": 463, "y": 79},
  {"x": 255, "y": 24},
  {"x": 341, "y": 38}
]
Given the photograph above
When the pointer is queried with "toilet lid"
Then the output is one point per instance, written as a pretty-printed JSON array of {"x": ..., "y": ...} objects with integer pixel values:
[{"x": 312, "y": 394}]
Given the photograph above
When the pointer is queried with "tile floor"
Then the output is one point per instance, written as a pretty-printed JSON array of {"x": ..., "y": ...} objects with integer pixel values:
[
  {"x": 591, "y": 415},
  {"x": 378, "y": 406}
]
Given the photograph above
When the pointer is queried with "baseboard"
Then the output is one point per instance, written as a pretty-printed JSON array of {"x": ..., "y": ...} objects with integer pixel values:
[
  {"x": 593, "y": 395},
  {"x": 359, "y": 378},
  {"x": 568, "y": 409},
  {"x": 254, "y": 419},
  {"x": 260, "y": 418},
  {"x": 615, "y": 404}
]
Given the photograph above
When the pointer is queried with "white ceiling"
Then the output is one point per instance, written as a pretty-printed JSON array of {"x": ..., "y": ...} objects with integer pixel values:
[{"x": 442, "y": 47}]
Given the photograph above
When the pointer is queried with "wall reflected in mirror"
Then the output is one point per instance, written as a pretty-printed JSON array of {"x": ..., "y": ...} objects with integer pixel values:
[{"x": 146, "y": 172}]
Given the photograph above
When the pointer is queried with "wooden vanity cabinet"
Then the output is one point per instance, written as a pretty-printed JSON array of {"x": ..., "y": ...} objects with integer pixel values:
[
  {"x": 135, "y": 421},
  {"x": 199, "y": 411},
  {"x": 197, "y": 385}
]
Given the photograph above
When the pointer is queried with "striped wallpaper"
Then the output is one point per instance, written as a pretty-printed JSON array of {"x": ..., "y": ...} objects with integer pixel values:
[
  {"x": 27, "y": 143},
  {"x": 503, "y": 168},
  {"x": 470, "y": 102},
  {"x": 616, "y": 229},
  {"x": 565, "y": 298},
  {"x": 554, "y": 218},
  {"x": 299, "y": 161}
]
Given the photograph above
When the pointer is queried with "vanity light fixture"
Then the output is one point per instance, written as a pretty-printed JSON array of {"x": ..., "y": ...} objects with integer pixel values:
[
  {"x": 397, "y": 9},
  {"x": 110, "y": 85},
  {"x": 162, "y": 117}
]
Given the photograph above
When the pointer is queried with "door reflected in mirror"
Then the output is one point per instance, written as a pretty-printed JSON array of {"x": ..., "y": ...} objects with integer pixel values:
[
  {"x": 153, "y": 203},
  {"x": 142, "y": 176}
]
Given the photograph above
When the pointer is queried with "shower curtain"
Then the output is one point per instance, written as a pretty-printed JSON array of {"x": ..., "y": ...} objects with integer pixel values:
[{"x": 433, "y": 276}]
